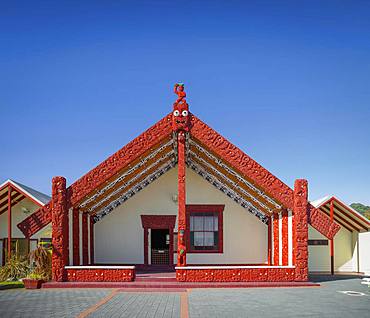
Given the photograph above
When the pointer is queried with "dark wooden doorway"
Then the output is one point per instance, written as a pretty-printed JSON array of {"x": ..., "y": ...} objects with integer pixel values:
[{"x": 160, "y": 247}]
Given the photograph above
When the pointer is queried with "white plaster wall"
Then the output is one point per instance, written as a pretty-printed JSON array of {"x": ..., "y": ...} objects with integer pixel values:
[
  {"x": 119, "y": 235},
  {"x": 364, "y": 251},
  {"x": 18, "y": 216},
  {"x": 318, "y": 256},
  {"x": 345, "y": 252}
]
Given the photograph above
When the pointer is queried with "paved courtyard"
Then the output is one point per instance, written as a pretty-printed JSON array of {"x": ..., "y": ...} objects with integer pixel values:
[{"x": 325, "y": 301}]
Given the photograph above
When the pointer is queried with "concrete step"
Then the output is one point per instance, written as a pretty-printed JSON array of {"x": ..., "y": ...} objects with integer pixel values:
[{"x": 174, "y": 285}]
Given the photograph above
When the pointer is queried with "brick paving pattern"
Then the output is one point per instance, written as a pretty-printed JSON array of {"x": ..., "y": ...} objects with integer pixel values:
[
  {"x": 143, "y": 305},
  {"x": 51, "y": 303},
  {"x": 325, "y": 301}
]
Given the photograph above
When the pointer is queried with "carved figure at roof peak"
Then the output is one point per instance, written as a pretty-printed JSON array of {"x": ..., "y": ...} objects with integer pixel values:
[{"x": 180, "y": 114}]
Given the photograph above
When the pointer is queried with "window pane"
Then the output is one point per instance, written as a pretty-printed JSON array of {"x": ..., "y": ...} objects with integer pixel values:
[
  {"x": 209, "y": 239},
  {"x": 198, "y": 223},
  {"x": 215, "y": 223},
  {"x": 191, "y": 223},
  {"x": 198, "y": 238},
  {"x": 208, "y": 223}
]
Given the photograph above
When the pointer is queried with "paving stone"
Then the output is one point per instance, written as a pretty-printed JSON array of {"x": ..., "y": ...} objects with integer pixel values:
[
  {"x": 48, "y": 303},
  {"x": 324, "y": 301},
  {"x": 140, "y": 305}
]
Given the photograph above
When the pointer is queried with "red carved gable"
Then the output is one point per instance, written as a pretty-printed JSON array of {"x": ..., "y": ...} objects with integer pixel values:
[
  {"x": 100, "y": 174},
  {"x": 209, "y": 138}
]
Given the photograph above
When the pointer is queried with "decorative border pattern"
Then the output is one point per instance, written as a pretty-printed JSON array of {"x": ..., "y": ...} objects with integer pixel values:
[
  {"x": 230, "y": 193},
  {"x": 137, "y": 188},
  {"x": 235, "y": 174},
  {"x": 100, "y": 275},
  {"x": 234, "y": 185},
  {"x": 236, "y": 275},
  {"x": 125, "y": 174}
]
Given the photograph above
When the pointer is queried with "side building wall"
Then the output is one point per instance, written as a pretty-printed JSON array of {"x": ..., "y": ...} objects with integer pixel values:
[
  {"x": 345, "y": 252},
  {"x": 119, "y": 237}
]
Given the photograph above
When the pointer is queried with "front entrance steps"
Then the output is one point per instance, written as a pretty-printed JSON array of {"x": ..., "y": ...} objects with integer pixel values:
[{"x": 163, "y": 279}]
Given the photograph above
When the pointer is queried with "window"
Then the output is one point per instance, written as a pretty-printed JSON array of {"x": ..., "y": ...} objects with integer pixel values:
[
  {"x": 45, "y": 242},
  {"x": 205, "y": 228},
  {"x": 317, "y": 242}
]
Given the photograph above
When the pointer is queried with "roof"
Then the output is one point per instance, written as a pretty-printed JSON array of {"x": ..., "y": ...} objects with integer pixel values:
[
  {"x": 345, "y": 215},
  {"x": 154, "y": 152},
  {"x": 19, "y": 192}
]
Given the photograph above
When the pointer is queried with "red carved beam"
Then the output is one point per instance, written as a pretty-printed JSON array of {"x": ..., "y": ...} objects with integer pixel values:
[
  {"x": 256, "y": 174},
  {"x": 301, "y": 229},
  {"x": 100, "y": 174}
]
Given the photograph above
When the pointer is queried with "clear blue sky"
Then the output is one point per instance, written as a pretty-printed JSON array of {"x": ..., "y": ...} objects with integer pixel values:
[{"x": 286, "y": 81}]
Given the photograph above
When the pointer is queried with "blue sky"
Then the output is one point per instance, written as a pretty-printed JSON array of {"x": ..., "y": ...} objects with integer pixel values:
[{"x": 286, "y": 81}]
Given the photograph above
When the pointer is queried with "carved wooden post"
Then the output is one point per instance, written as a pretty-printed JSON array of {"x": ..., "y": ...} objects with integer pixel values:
[
  {"x": 76, "y": 236},
  {"x": 181, "y": 250},
  {"x": 85, "y": 240},
  {"x": 181, "y": 125},
  {"x": 276, "y": 238},
  {"x": 284, "y": 237},
  {"x": 300, "y": 209},
  {"x": 59, "y": 220}
]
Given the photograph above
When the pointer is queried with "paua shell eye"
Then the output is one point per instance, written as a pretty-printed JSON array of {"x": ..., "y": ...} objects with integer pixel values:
[
  {"x": 185, "y": 113},
  {"x": 176, "y": 113}
]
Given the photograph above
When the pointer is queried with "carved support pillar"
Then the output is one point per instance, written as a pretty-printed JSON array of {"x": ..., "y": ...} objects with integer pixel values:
[
  {"x": 284, "y": 237},
  {"x": 276, "y": 238},
  {"x": 85, "y": 240},
  {"x": 76, "y": 236},
  {"x": 181, "y": 250},
  {"x": 300, "y": 210},
  {"x": 59, "y": 220},
  {"x": 92, "y": 248},
  {"x": 269, "y": 242}
]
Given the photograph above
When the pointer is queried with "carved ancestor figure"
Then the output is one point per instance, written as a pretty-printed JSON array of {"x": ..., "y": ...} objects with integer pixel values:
[
  {"x": 181, "y": 258},
  {"x": 180, "y": 115}
]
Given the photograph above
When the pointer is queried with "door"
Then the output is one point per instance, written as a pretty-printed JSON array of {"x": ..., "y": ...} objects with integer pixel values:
[{"x": 160, "y": 246}]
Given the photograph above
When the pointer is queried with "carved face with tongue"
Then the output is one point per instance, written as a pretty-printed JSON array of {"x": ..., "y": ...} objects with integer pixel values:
[{"x": 180, "y": 114}]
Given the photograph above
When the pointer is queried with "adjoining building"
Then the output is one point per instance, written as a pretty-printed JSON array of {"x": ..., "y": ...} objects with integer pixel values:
[
  {"x": 181, "y": 195},
  {"x": 18, "y": 202}
]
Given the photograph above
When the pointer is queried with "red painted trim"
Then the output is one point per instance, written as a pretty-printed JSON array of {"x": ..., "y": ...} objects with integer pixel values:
[
  {"x": 276, "y": 239},
  {"x": 350, "y": 211},
  {"x": 16, "y": 188},
  {"x": 157, "y": 222},
  {"x": 201, "y": 208},
  {"x": 350, "y": 217},
  {"x": 9, "y": 222},
  {"x": 269, "y": 243},
  {"x": 234, "y": 275},
  {"x": 332, "y": 240},
  {"x": 347, "y": 208},
  {"x": 92, "y": 248},
  {"x": 284, "y": 237},
  {"x": 341, "y": 221},
  {"x": 76, "y": 236},
  {"x": 85, "y": 238}
]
